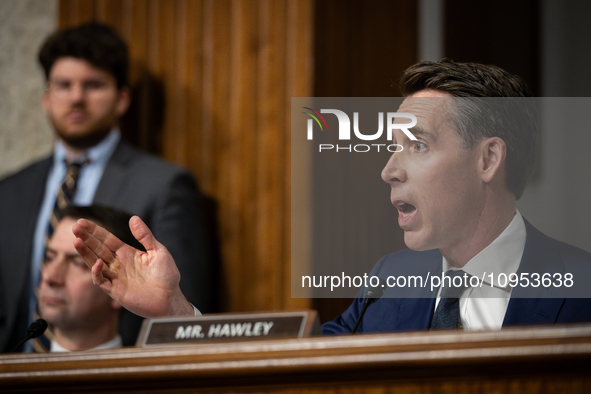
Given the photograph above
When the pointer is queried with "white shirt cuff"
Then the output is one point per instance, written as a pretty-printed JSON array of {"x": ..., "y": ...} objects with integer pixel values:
[{"x": 196, "y": 311}]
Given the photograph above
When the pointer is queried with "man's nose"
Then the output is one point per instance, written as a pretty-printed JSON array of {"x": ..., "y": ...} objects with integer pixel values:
[
  {"x": 54, "y": 272},
  {"x": 77, "y": 92},
  {"x": 393, "y": 171}
]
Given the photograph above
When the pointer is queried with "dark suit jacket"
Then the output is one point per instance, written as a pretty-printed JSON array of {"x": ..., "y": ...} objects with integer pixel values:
[
  {"x": 165, "y": 196},
  {"x": 391, "y": 313}
]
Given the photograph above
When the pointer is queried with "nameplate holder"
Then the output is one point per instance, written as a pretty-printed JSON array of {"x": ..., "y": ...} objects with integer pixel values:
[{"x": 222, "y": 327}]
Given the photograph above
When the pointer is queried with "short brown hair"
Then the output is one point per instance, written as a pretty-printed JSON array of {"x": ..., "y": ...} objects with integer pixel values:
[
  {"x": 94, "y": 42},
  {"x": 513, "y": 119}
]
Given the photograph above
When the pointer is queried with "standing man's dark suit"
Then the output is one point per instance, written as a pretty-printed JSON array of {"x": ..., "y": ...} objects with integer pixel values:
[
  {"x": 87, "y": 92},
  {"x": 403, "y": 314},
  {"x": 165, "y": 196}
]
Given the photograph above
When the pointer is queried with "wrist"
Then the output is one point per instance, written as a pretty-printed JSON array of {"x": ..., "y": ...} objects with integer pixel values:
[{"x": 180, "y": 306}]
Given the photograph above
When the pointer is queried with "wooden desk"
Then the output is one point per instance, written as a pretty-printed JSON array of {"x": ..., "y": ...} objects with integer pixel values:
[{"x": 520, "y": 360}]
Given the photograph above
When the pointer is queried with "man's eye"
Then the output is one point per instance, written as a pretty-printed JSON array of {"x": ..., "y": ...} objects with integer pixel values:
[
  {"x": 48, "y": 258},
  {"x": 419, "y": 147},
  {"x": 94, "y": 85},
  {"x": 80, "y": 264},
  {"x": 61, "y": 85}
]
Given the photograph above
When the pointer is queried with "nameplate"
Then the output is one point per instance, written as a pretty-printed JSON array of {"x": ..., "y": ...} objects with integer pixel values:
[{"x": 218, "y": 327}]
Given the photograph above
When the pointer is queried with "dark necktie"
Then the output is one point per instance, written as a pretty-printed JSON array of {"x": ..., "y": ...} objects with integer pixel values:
[
  {"x": 447, "y": 314},
  {"x": 65, "y": 196}
]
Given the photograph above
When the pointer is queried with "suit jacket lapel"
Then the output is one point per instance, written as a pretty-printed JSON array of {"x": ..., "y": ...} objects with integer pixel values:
[
  {"x": 114, "y": 176},
  {"x": 535, "y": 305},
  {"x": 416, "y": 313}
]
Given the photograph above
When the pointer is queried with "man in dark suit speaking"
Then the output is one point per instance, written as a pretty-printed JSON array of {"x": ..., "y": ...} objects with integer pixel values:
[
  {"x": 455, "y": 186},
  {"x": 456, "y": 189},
  {"x": 86, "y": 69}
]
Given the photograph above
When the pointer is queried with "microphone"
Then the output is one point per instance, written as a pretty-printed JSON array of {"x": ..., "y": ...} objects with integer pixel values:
[
  {"x": 36, "y": 329},
  {"x": 371, "y": 295}
]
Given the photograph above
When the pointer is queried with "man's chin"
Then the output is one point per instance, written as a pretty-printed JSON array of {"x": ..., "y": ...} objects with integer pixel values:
[
  {"x": 50, "y": 316},
  {"x": 83, "y": 139},
  {"x": 415, "y": 242}
]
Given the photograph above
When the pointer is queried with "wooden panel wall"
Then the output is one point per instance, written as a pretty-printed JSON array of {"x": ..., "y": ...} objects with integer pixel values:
[
  {"x": 212, "y": 83},
  {"x": 361, "y": 49}
]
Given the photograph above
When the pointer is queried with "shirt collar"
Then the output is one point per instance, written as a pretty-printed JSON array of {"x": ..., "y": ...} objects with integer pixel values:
[
  {"x": 114, "y": 343},
  {"x": 98, "y": 154},
  {"x": 502, "y": 256}
]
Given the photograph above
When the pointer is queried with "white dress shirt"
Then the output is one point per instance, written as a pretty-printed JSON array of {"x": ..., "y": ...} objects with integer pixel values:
[
  {"x": 484, "y": 307},
  {"x": 114, "y": 343}
]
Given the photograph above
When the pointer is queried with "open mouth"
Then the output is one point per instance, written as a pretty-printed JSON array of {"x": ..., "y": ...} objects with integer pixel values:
[{"x": 405, "y": 209}]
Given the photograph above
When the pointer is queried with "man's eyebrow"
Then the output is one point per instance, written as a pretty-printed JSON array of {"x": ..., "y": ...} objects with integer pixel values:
[
  {"x": 418, "y": 131},
  {"x": 72, "y": 256},
  {"x": 68, "y": 255}
]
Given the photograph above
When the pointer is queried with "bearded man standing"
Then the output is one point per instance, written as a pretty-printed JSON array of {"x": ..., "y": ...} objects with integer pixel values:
[{"x": 87, "y": 92}]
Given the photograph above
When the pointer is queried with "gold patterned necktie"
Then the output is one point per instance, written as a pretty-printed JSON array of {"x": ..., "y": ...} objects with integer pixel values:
[
  {"x": 65, "y": 194},
  {"x": 64, "y": 198}
]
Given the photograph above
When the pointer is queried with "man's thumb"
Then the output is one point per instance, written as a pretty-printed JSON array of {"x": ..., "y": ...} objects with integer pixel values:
[{"x": 142, "y": 233}]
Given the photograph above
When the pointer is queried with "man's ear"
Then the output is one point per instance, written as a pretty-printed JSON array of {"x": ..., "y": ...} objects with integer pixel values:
[
  {"x": 493, "y": 155},
  {"x": 45, "y": 100},
  {"x": 123, "y": 101}
]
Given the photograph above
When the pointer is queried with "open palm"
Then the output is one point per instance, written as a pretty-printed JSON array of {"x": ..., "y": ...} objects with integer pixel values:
[{"x": 145, "y": 283}]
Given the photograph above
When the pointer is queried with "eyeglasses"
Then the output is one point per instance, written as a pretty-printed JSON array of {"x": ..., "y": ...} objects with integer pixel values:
[{"x": 63, "y": 88}]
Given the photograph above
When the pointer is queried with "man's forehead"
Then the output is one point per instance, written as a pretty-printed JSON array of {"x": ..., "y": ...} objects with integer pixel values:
[
  {"x": 63, "y": 237},
  {"x": 69, "y": 66},
  {"x": 430, "y": 93},
  {"x": 426, "y": 100},
  {"x": 429, "y": 106}
]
